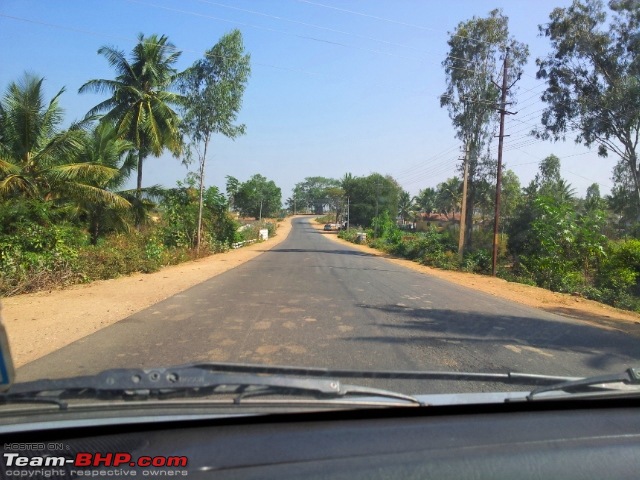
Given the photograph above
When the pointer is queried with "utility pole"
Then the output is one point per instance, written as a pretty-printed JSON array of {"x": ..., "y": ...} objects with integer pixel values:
[
  {"x": 376, "y": 217},
  {"x": 463, "y": 211},
  {"x": 503, "y": 113},
  {"x": 348, "y": 213}
]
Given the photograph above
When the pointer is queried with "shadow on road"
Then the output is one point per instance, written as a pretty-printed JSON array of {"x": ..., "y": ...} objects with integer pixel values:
[
  {"x": 605, "y": 348},
  {"x": 307, "y": 250}
]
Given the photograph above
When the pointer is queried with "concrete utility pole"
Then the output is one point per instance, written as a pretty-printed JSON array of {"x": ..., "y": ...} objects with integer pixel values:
[
  {"x": 463, "y": 210},
  {"x": 503, "y": 112},
  {"x": 348, "y": 213}
]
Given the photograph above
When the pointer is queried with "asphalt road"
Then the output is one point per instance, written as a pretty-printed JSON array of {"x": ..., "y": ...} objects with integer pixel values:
[{"x": 314, "y": 302}]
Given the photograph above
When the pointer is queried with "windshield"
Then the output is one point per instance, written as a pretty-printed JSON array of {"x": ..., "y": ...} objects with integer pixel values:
[{"x": 390, "y": 186}]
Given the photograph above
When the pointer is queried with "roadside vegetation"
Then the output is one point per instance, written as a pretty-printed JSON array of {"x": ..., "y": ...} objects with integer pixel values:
[
  {"x": 551, "y": 239},
  {"x": 547, "y": 236},
  {"x": 66, "y": 215}
]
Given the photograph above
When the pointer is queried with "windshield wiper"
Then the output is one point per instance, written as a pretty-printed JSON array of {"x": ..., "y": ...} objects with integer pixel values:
[
  {"x": 247, "y": 380},
  {"x": 185, "y": 381},
  {"x": 630, "y": 376}
]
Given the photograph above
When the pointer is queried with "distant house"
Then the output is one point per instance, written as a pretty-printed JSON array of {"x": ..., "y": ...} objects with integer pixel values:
[{"x": 438, "y": 220}]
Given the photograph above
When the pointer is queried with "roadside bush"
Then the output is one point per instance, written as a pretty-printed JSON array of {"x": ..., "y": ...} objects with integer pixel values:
[
  {"x": 349, "y": 235},
  {"x": 326, "y": 219},
  {"x": 36, "y": 254},
  {"x": 479, "y": 261},
  {"x": 619, "y": 273}
]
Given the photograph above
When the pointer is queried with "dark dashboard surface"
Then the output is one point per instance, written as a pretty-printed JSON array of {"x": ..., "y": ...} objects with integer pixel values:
[{"x": 555, "y": 440}]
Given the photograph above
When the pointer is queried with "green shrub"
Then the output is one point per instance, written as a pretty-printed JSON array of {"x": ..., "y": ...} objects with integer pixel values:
[
  {"x": 619, "y": 272},
  {"x": 326, "y": 219},
  {"x": 479, "y": 261},
  {"x": 349, "y": 235}
]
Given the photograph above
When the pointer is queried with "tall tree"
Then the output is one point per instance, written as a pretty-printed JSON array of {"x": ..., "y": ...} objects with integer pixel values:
[
  {"x": 449, "y": 196},
  {"x": 40, "y": 160},
  {"x": 369, "y": 196},
  {"x": 213, "y": 88},
  {"x": 426, "y": 199},
  {"x": 141, "y": 103},
  {"x": 102, "y": 146},
  {"x": 232, "y": 187},
  {"x": 405, "y": 206},
  {"x": 593, "y": 79},
  {"x": 259, "y": 197},
  {"x": 313, "y": 193},
  {"x": 476, "y": 51}
]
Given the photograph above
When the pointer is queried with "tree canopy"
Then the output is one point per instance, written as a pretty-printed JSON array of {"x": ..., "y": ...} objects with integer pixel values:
[
  {"x": 593, "y": 79},
  {"x": 477, "y": 48}
]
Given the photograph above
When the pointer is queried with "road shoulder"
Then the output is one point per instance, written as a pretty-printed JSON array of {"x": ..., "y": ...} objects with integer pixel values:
[
  {"x": 603, "y": 316},
  {"x": 40, "y": 323}
]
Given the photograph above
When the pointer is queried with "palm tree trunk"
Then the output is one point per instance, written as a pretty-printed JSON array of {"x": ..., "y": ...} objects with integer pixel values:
[{"x": 139, "y": 183}]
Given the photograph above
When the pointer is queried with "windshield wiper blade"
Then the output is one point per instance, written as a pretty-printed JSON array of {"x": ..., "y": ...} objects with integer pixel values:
[
  {"x": 509, "y": 377},
  {"x": 630, "y": 376},
  {"x": 188, "y": 381}
]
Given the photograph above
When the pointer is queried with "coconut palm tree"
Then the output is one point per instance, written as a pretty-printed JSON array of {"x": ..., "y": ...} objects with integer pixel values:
[
  {"x": 140, "y": 105},
  {"x": 405, "y": 205},
  {"x": 41, "y": 161},
  {"x": 102, "y": 146},
  {"x": 449, "y": 196},
  {"x": 426, "y": 199}
]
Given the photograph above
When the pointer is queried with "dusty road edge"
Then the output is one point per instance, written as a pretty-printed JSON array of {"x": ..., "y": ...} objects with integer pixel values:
[
  {"x": 576, "y": 308},
  {"x": 40, "y": 323}
]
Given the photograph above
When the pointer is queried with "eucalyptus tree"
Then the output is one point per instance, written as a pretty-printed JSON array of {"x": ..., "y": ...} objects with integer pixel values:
[
  {"x": 141, "y": 105},
  {"x": 477, "y": 48},
  {"x": 593, "y": 80},
  {"x": 213, "y": 88}
]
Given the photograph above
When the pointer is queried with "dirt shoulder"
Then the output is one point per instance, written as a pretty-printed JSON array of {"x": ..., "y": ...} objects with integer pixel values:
[
  {"x": 571, "y": 306},
  {"x": 40, "y": 323}
]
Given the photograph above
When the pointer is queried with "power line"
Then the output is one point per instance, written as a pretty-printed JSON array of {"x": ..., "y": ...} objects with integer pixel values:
[{"x": 388, "y": 20}]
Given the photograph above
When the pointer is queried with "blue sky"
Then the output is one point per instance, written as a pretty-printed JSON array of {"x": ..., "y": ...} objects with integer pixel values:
[{"x": 336, "y": 86}]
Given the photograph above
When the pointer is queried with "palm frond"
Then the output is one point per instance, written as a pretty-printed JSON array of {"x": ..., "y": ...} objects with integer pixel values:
[
  {"x": 100, "y": 85},
  {"x": 17, "y": 184},
  {"x": 93, "y": 172},
  {"x": 89, "y": 193},
  {"x": 8, "y": 168}
]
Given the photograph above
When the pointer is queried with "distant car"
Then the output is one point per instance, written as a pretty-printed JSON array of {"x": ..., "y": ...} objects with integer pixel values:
[{"x": 328, "y": 227}]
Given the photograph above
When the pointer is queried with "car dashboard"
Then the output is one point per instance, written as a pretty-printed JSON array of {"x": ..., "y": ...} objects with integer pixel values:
[{"x": 528, "y": 440}]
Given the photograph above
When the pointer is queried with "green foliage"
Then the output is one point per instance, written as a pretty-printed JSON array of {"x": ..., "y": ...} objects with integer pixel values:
[
  {"x": 252, "y": 231},
  {"x": 449, "y": 196},
  {"x": 141, "y": 103},
  {"x": 563, "y": 246},
  {"x": 314, "y": 194},
  {"x": 479, "y": 261},
  {"x": 369, "y": 196},
  {"x": 325, "y": 219},
  {"x": 618, "y": 275},
  {"x": 592, "y": 73},
  {"x": 383, "y": 226},
  {"x": 179, "y": 219},
  {"x": 258, "y": 198},
  {"x": 213, "y": 88},
  {"x": 35, "y": 251},
  {"x": 39, "y": 160},
  {"x": 471, "y": 97},
  {"x": 349, "y": 235}
]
